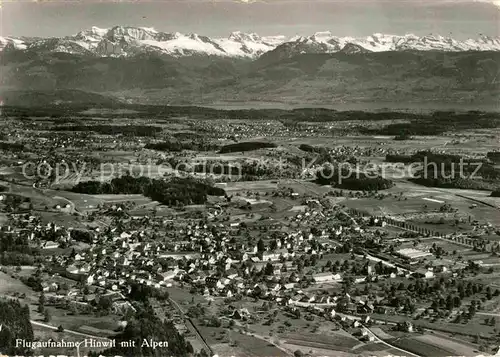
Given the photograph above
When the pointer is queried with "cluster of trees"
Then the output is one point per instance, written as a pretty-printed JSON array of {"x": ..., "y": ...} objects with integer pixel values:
[
  {"x": 187, "y": 135},
  {"x": 450, "y": 171},
  {"x": 428, "y": 156},
  {"x": 15, "y": 322},
  {"x": 34, "y": 282},
  {"x": 345, "y": 179},
  {"x": 325, "y": 115},
  {"x": 460, "y": 183},
  {"x": 248, "y": 171},
  {"x": 142, "y": 293},
  {"x": 81, "y": 235},
  {"x": 312, "y": 149},
  {"x": 126, "y": 130},
  {"x": 403, "y": 136},
  {"x": 451, "y": 291},
  {"x": 13, "y": 203},
  {"x": 356, "y": 268},
  {"x": 15, "y": 250},
  {"x": 175, "y": 191},
  {"x": 178, "y": 146},
  {"x": 42, "y": 300},
  {"x": 7, "y": 146},
  {"x": 438, "y": 123},
  {"x": 493, "y": 156},
  {"x": 147, "y": 326},
  {"x": 246, "y": 146},
  {"x": 395, "y": 158}
]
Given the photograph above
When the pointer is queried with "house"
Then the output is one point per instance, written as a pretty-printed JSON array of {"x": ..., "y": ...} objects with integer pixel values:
[
  {"x": 441, "y": 269},
  {"x": 405, "y": 326},
  {"x": 50, "y": 245},
  {"x": 412, "y": 255},
  {"x": 168, "y": 275},
  {"x": 260, "y": 289},
  {"x": 50, "y": 287},
  {"x": 423, "y": 273},
  {"x": 326, "y": 277},
  {"x": 122, "y": 306},
  {"x": 267, "y": 256},
  {"x": 211, "y": 281},
  {"x": 240, "y": 314},
  {"x": 351, "y": 307},
  {"x": 386, "y": 310},
  {"x": 90, "y": 279},
  {"x": 232, "y": 273}
]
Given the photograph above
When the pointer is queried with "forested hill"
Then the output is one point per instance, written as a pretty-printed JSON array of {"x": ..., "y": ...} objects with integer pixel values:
[{"x": 15, "y": 323}]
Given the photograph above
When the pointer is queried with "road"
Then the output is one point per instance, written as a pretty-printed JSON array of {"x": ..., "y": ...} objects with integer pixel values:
[
  {"x": 263, "y": 338},
  {"x": 407, "y": 353},
  {"x": 76, "y": 333},
  {"x": 488, "y": 314},
  {"x": 191, "y": 325},
  {"x": 71, "y": 204},
  {"x": 44, "y": 192}
]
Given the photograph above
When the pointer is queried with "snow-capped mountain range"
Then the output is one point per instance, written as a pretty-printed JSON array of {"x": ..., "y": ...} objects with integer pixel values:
[{"x": 127, "y": 41}]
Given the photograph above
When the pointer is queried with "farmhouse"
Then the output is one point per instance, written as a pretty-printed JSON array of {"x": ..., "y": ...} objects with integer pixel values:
[
  {"x": 169, "y": 275},
  {"x": 412, "y": 254},
  {"x": 326, "y": 277},
  {"x": 424, "y": 273}
]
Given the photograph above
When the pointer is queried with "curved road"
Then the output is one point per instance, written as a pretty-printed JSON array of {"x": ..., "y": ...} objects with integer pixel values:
[
  {"x": 193, "y": 327},
  {"x": 36, "y": 323},
  {"x": 407, "y": 353}
]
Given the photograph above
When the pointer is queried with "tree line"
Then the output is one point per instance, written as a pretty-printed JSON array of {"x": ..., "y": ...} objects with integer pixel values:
[
  {"x": 178, "y": 146},
  {"x": 246, "y": 146},
  {"x": 172, "y": 192},
  {"x": 15, "y": 250},
  {"x": 345, "y": 179},
  {"x": 437, "y": 123},
  {"x": 8, "y": 146},
  {"x": 126, "y": 130}
]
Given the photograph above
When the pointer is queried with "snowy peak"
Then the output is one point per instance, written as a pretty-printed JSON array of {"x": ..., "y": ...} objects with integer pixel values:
[
  {"x": 13, "y": 43},
  {"x": 118, "y": 33},
  {"x": 239, "y": 36},
  {"x": 125, "y": 41},
  {"x": 122, "y": 41},
  {"x": 325, "y": 42}
]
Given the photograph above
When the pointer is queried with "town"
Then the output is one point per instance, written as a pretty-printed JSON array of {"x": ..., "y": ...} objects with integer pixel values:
[{"x": 245, "y": 246}]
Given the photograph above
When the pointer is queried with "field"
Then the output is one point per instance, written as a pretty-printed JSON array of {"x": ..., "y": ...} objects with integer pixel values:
[
  {"x": 456, "y": 349},
  {"x": 333, "y": 341},
  {"x": 238, "y": 343},
  {"x": 46, "y": 334},
  {"x": 467, "y": 331},
  {"x": 99, "y": 326},
  {"x": 245, "y": 186},
  {"x": 421, "y": 348},
  {"x": 9, "y": 285}
]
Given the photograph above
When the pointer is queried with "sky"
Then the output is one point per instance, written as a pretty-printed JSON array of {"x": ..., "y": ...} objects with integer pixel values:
[{"x": 459, "y": 18}]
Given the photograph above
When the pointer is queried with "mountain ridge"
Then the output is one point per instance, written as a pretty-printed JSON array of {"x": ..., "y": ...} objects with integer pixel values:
[
  {"x": 125, "y": 41},
  {"x": 350, "y": 76}
]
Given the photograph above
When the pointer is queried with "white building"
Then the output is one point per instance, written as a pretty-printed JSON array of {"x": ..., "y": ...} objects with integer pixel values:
[{"x": 326, "y": 277}]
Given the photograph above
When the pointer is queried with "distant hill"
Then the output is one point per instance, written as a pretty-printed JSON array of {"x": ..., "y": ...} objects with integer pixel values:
[
  {"x": 61, "y": 98},
  {"x": 350, "y": 75}
]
